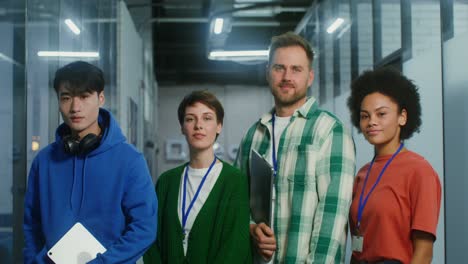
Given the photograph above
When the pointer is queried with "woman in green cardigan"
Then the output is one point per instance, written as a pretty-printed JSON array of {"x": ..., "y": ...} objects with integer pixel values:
[{"x": 203, "y": 205}]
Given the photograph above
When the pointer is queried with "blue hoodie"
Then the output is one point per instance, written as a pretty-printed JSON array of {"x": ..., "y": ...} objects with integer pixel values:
[{"x": 108, "y": 190}]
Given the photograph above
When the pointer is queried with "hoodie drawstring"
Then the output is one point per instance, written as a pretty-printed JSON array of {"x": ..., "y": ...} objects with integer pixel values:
[
  {"x": 74, "y": 182},
  {"x": 83, "y": 189}
]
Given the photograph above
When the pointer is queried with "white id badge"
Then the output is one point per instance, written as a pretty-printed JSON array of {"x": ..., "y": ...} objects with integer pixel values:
[{"x": 356, "y": 243}]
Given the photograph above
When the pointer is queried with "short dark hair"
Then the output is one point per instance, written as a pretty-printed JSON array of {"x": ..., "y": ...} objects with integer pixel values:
[
  {"x": 205, "y": 98},
  {"x": 79, "y": 77},
  {"x": 393, "y": 84},
  {"x": 289, "y": 39}
]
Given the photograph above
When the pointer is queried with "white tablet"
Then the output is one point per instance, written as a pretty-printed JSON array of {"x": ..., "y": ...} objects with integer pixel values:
[{"x": 77, "y": 246}]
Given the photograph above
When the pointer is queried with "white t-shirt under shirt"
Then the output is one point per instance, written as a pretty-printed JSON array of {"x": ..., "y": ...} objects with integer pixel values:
[
  {"x": 280, "y": 124},
  {"x": 194, "y": 179}
]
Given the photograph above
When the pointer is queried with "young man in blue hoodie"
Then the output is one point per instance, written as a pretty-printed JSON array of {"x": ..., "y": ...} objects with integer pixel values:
[{"x": 91, "y": 175}]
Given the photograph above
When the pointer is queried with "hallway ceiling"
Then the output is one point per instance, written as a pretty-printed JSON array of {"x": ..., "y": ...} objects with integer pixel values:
[{"x": 181, "y": 29}]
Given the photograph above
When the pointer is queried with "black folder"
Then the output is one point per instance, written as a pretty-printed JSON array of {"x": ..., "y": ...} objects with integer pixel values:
[{"x": 261, "y": 184}]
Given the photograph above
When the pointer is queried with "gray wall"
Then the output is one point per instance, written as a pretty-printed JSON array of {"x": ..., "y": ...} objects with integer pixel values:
[
  {"x": 130, "y": 77},
  {"x": 456, "y": 147},
  {"x": 425, "y": 70},
  {"x": 455, "y": 81}
]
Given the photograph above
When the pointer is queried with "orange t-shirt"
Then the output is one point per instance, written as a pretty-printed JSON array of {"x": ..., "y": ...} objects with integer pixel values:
[{"x": 406, "y": 198}]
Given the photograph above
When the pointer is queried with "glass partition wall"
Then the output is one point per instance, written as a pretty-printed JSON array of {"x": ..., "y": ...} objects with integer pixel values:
[
  {"x": 34, "y": 36},
  {"x": 13, "y": 127}
]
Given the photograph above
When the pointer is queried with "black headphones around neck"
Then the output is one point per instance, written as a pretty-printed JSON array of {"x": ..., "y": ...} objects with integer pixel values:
[{"x": 74, "y": 146}]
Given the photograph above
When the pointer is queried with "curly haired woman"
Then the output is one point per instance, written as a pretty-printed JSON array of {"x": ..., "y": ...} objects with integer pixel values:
[{"x": 396, "y": 197}]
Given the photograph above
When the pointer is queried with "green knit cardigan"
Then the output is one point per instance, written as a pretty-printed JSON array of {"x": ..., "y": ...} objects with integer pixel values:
[{"x": 220, "y": 232}]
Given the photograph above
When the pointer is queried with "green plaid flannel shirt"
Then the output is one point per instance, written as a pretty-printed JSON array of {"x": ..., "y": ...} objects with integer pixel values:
[{"x": 316, "y": 166}]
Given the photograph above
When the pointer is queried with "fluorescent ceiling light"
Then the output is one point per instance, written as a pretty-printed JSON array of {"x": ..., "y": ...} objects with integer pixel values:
[
  {"x": 218, "y": 26},
  {"x": 253, "y": 1},
  {"x": 10, "y": 60},
  {"x": 266, "y": 11},
  {"x": 335, "y": 25},
  {"x": 344, "y": 30},
  {"x": 72, "y": 26},
  {"x": 73, "y": 54},
  {"x": 257, "y": 12},
  {"x": 238, "y": 53}
]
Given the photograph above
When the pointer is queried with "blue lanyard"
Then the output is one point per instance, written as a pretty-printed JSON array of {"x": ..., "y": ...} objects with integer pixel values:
[
  {"x": 363, "y": 204},
  {"x": 186, "y": 214},
  {"x": 273, "y": 154}
]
